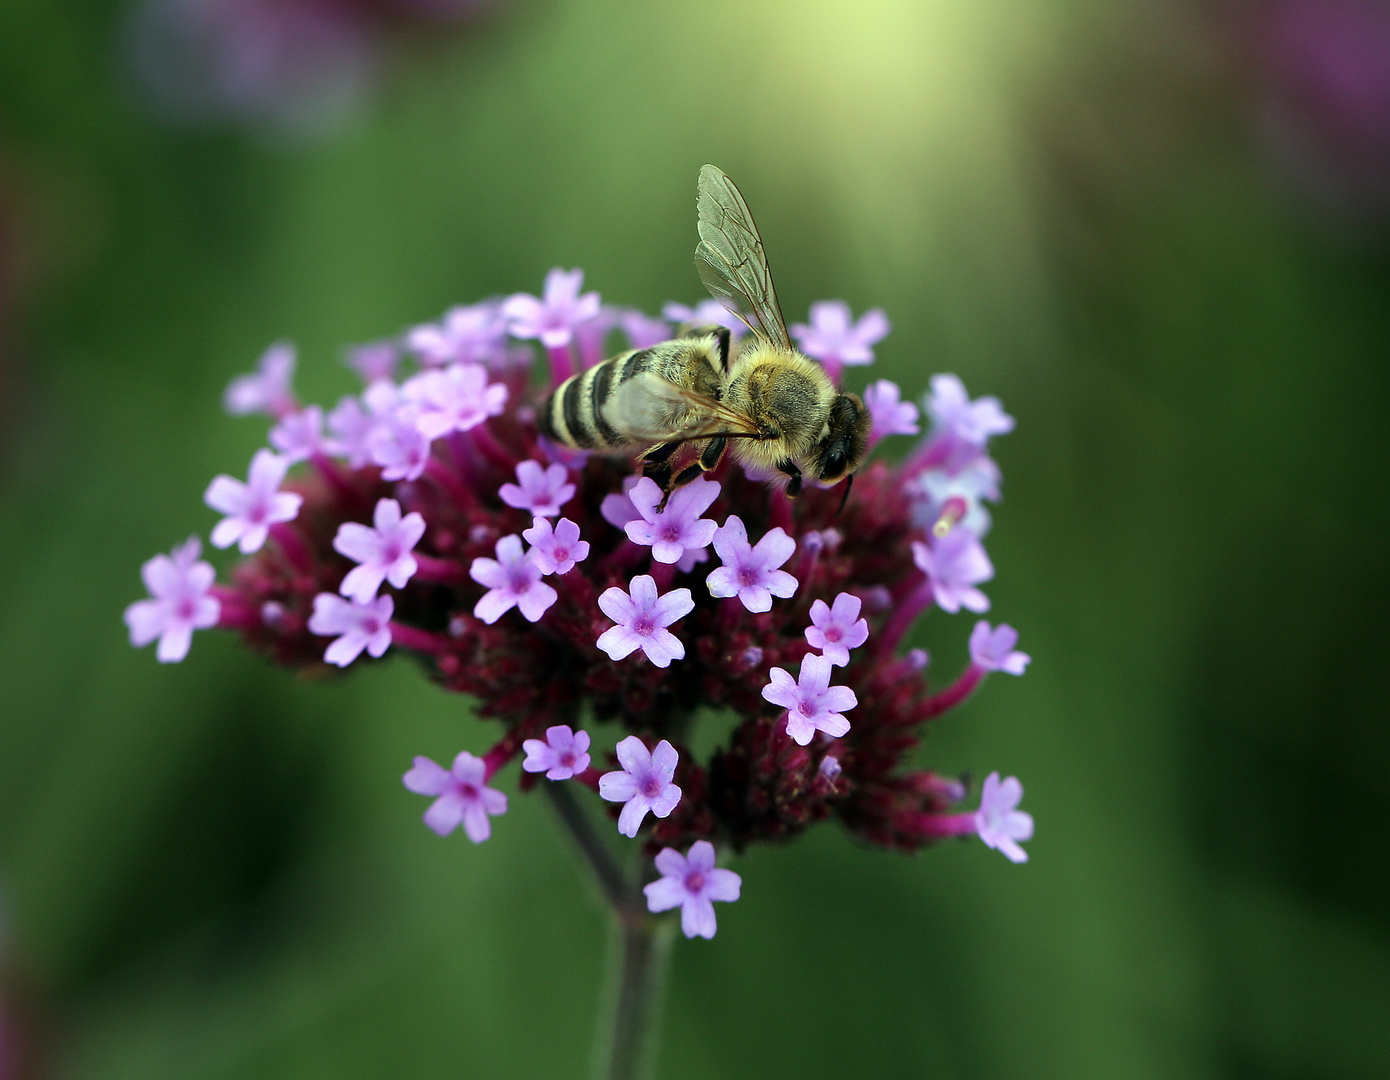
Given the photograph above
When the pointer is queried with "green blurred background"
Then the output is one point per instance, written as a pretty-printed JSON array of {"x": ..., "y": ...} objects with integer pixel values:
[{"x": 211, "y": 870}]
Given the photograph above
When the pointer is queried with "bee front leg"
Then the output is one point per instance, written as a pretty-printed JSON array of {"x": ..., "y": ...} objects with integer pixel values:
[{"x": 794, "y": 484}]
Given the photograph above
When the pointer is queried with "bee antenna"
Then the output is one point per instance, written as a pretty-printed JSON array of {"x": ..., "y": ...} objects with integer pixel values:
[{"x": 849, "y": 483}]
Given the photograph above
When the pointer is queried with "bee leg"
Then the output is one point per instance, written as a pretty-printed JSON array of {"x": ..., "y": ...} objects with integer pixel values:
[
  {"x": 794, "y": 484},
  {"x": 660, "y": 471},
  {"x": 713, "y": 453}
]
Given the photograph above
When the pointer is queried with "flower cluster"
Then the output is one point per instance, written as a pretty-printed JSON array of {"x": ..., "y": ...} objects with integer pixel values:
[{"x": 556, "y": 589}]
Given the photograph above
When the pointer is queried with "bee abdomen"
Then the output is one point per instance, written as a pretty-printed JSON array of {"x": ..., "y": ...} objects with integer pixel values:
[{"x": 573, "y": 414}]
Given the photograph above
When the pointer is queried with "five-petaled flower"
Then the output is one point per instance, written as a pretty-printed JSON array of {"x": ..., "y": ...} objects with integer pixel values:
[
  {"x": 463, "y": 795},
  {"x": 383, "y": 551},
  {"x": 999, "y": 822},
  {"x": 540, "y": 490},
  {"x": 254, "y": 506},
  {"x": 972, "y": 422},
  {"x": 358, "y": 626},
  {"x": 513, "y": 580},
  {"x": 690, "y": 882},
  {"x": 553, "y": 317},
  {"x": 750, "y": 571},
  {"x": 456, "y": 398},
  {"x": 678, "y": 529},
  {"x": 837, "y": 628},
  {"x": 564, "y": 753},
  {"x": 812, "y": 704},
  {"x": 954, "y": 565},
  {"x": 643, "y": 783},
  {"x": 268, "y": 389},
  {"x": 993, "y": 650},
  {"x": 891, "y": 415},
  {"x": 179, "y": 602},
  {"x": 466, "y": 335},
  {"x": 642, "y": 617},
  {"x": 299, "y": 435},
  {"x": 555, "y": 549},
  {"x": 835, "y": 340}
]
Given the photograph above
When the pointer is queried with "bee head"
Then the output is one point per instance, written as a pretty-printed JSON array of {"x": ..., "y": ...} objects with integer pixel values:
[{"x": 846, "y": 443}]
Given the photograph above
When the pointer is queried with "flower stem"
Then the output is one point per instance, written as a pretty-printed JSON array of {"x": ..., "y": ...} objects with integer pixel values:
[
  {"x": 626, "y": 1048},
  {"x": 628, "y": 1031}
]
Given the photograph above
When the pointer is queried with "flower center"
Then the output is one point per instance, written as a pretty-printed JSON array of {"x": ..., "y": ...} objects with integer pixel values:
[
  {"x": 643, "y": 625},
  {"x": 747, "y": 576},
  {"x": 805, "y": 707},
  {"x": 391, "y": 554},
  {"x": 567, "y": 759},
  {"x": 651, "y": 786},
  {"x": 694, "y": 881},
  {"x": 671, "y": 533},
  {"x": 185, "y": 609},
  {"x": 468, "y": 791},
  {"x": 833, "y": 634}
]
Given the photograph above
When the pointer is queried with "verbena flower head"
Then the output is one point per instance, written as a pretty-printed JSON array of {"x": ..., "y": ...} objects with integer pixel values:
[{"x": 607, "y": 624}]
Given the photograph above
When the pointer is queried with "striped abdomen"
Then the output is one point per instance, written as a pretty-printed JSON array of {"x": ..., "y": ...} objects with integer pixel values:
[{"x": 582, "y": 413}]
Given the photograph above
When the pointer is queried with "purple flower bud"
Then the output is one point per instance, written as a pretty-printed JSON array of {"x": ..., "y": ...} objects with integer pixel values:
[
  {"x": 268, "y": 389},
  {"x": 540, "y": 490},
  {"x": 835, "y": 630},
  {"x": 556, "y": 549}
]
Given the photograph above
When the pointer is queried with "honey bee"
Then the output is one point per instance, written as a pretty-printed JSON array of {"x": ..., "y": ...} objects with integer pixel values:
[{"x": 770, "y": 406}]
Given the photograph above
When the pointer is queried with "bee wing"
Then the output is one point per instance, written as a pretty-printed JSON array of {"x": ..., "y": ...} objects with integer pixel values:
[
  {"x": 647, "y": 408},
  {"x": 730, "y": 257}
]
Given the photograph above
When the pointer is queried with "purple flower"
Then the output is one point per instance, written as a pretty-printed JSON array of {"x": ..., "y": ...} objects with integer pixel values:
[
  {"x": 254, "y": 506},
  {"x": 553, "y": 317},
  {"x": 749, "y": 572},
  {"x": 642, "y": 618},
  {"x": 993, "y": 650},
  {"x": 556, "y": 550},
  {"x": 374, "y": 361},
  {"x": 383, "y": 551},
  {"x": 812, "y": 704},
  {"x": 971, "y": 422},
  {"x": 179, "y": 604},
  {"x": 942, "y": 499},
  {"x": 542, "y": 491},
  {"x": 706, "y": 313},
  {"x": 513, "y": 580},
  {"x": 998, "y": 822},
  {"x": 642, "y": 330},
  {"x": 350, "y": 427},
  {"x": 563, "y": 754},
  {"x": 837, "y": 629},
  {"x": 268, "y": 390},
  {"x": 463, "y": 798},
  {"x": 836, "y": 341},
  {"x": 830, "y": 767},
  {"x": 678, "y": 528},
  {"x": 643, "y": 783},
  {"x": 892, "y": 415},
  {"x": 466, "y": 335},
  {"x": 299, "y": 435},
  {"x": 954, "y": 564},
  {"x": 398, "y": 445},
  {"x": 359, "y": 626},
  {"x": 617, "y": 509},
  {"x": 690, "y": 882},
  {"x": 455, "y": 399}
]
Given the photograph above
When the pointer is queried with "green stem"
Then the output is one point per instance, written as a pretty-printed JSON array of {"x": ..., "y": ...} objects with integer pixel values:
[{"x": 626, "y": 1048}]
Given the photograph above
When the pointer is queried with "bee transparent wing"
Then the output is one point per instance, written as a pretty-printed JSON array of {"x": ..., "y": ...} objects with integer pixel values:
[
  {"x": 730, "y": 257},
  {"x": 647, "y": 408}
]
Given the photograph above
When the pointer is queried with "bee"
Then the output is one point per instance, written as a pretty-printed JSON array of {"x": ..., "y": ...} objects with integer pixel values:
[{"x": 767, "y": 404}]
